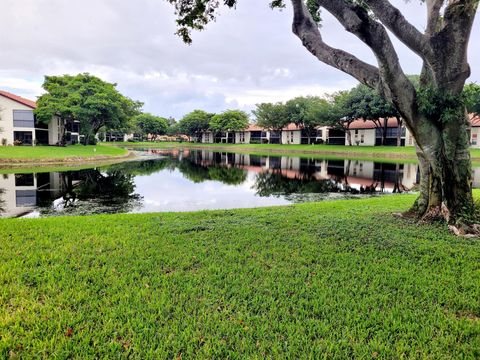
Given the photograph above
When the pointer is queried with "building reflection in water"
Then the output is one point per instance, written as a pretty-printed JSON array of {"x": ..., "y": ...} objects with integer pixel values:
[{"x": 116, "y": 189}]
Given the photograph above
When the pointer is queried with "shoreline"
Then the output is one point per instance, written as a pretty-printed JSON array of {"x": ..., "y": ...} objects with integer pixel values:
[{"x": 16, "y": 163}]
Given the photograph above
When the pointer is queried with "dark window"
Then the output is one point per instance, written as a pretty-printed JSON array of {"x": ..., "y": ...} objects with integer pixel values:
[
  {"x": 24, "y": 136},
  {"x": 73, "y": 126},
  {"x": 23, "y": 118},
  {"x": 26, "y": 197},
  {"x": 24, "y": 180},
  {"x": 392, "y": 132},
  {"x": 275, "y": 137},
  {"x": 40, "y": 125},
  {"x": 41, "y": 136}
]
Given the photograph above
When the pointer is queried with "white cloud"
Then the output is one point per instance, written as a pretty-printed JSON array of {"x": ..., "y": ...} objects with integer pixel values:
[{"x": 248, "y": 56}]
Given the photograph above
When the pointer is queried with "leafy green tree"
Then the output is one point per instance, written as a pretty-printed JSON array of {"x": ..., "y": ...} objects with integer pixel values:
[
  {"x": 148, "y": 124},
  {"x": 472, "y": 96},
  {"x": 271, "y": 116},
  {"x": 194, "y": 123},
  {"x": 434, "y": 112},
  {"x": 305, "y": 111},
  {"x": 365, "y": 103},
  {"x": 342, "y": 115},
  {"x": 230, "y": 120},
  {"x": 87, "y": 99}
]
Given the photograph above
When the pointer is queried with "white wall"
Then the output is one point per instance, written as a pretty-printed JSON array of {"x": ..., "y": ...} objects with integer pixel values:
[
  {"x": 475, "y": 137},
  {"x": 359, "y": 135},
  {"x": 207, "y": 137},
  {"x": 287, "y": 137},
  {"x": 409, "y": 140},
  {"x": 6, "y": 119},
  {"x": 9, "y": 197},
  {"x": 54, "y": 133},
  {"x": 324, "y": 136},
  {"x": 246, "y": 137}
]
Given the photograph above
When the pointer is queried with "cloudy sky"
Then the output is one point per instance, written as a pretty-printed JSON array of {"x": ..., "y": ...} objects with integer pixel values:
[{"x": 248, "y": 56}]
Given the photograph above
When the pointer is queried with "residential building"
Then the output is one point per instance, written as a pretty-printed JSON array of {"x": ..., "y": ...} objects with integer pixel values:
[
  {"x": 369, "y": 133},
  {"x": 18, "y": 124},
  {"x": 474, "y": 133},
  {"x": 363, "y": 133}
]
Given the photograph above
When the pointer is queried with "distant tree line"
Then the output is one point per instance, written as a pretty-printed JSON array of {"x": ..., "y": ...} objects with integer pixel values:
[{"x": 99, "y": 108}]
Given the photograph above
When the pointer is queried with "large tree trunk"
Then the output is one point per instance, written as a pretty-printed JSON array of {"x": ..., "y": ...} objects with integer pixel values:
[
  {"x": 433, "y": 113},
  {"x": 445, "y": 172}
]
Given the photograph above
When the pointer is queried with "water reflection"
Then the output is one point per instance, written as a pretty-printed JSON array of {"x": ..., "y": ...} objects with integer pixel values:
[{"x": 182, "y": 180}]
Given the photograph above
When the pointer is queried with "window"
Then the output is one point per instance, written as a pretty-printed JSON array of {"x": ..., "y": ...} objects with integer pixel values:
[
  {"x": 291, "y": 136},
  {"x": 23, "y": 118},
  {"x": 242, "y": 137},
  {"x": 356, "y": 131},
  {"x": 25, "y": 197},
  {"x": 362, "y": 139},
  {"x": 24, "y": 180},
  {"x": 24, "y": 136}
]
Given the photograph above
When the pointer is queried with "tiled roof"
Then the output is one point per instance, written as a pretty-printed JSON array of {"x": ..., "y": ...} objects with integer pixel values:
[
  {"x": 19, "y": 99},
  {"x": 369, "y": 124},
  {"x": 474, "y": 120},
  {"x": 291, "y": 127},
  {"x": 392, "y": 122},
  {"x": 255, "y": 127}
]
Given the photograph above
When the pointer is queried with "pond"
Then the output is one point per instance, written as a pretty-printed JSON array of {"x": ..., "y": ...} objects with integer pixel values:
[{"x": 189, "y": 180}]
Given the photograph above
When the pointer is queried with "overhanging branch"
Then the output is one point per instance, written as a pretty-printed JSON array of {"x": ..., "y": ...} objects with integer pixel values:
[
  {"x": 395, "y": 84},
  {"x": 394, "y": 20},
  {"x": 307, "y": 30}
]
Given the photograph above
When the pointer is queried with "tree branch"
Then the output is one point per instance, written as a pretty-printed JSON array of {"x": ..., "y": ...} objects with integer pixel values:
[
  {"x": 307, "y": 30},
  {"x": 450, "y": 43},
  {"x": 433, "y": 16},
  {"x": 395, "y": 84},
  {"x": 394, "y": 20}
]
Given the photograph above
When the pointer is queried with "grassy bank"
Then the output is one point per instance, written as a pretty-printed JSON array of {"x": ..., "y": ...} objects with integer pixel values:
[
  {"x": 337, "y": 279},
  {"x": 41, "y": 158},
  {"x": 380, "y": 153},
  {"x": 18, "y": 153}
]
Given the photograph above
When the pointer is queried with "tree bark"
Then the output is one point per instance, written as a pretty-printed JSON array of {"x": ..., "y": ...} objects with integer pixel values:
[
  {"x": 445, "y": 174},
  {"x": 442, "y": 141}
]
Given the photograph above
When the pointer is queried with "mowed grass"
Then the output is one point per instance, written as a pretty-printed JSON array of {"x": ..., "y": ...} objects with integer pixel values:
[
  {"x": 56, "y": 152},
  {"x": 333, "y": 280},
  {"x": 357, "y": 152}
]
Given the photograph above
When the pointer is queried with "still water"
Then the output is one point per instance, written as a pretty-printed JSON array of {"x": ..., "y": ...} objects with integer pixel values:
[{"x": 188, "y": 180}]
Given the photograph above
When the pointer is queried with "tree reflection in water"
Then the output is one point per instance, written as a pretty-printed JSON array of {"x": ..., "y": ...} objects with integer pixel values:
[
  {"x": 93, "y": 192},
  {"x": 112, "y": 190}
]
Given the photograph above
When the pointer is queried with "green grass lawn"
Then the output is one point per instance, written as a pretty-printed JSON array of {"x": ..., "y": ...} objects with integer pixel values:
[
  {"x": 341, "y": 279},
  {"x": 55, "y": 152},
  {"x": 359, "y": 152}
]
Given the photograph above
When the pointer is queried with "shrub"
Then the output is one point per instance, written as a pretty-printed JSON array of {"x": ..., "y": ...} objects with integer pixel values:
[
  {"x": 17, "y": 142},
  {"x": 4, "y": 142}
]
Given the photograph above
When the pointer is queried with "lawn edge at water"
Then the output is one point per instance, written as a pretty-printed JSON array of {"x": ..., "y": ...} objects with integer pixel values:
[
  {"x": 52, "y": 155},
  {"x": 354, "y": 152},
  {"x": 239, "y": 283}
]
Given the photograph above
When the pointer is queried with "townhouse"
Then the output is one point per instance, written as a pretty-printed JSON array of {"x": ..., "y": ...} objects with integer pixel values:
[{"x": 18, "y": 124}]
